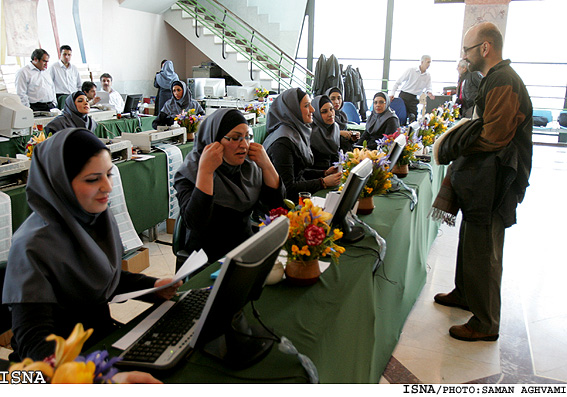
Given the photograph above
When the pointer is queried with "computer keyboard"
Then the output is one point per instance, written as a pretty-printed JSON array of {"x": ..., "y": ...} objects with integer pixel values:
[{"x": 167, "y": 341}]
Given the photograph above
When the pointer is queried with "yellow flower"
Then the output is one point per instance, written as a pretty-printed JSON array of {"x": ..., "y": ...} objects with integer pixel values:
[
  {"x": 337, "y": 234},
  {"x": 74, "y": 372},
  {"x": 294, "y": 249},
  {"x": 68, "y": 350},
  {"x": 29, "y": 365}
]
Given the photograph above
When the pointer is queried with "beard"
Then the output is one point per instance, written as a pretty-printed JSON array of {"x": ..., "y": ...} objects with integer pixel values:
[{"x": 476, "y": 66}]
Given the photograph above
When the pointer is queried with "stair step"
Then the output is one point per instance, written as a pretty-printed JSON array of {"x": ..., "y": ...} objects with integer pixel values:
[
  {"x": 185, "y": 15},
  {"x": 175, "y": 7}
]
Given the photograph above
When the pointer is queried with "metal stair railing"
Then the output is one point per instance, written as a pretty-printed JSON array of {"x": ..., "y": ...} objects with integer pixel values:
[{"x": 245, "y": 40}]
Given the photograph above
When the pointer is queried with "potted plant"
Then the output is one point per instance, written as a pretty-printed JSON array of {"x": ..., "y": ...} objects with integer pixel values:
[
  {"x": 310, "y": 237},
  {"x": 413, "y": 142},
  {"x": 261, "y": 93},
  {"x": 190, "y": 121},
  {"x": 379, "y": 180}
]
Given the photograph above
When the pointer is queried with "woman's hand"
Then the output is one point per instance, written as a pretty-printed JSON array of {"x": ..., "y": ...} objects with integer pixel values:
[
  {"x": 135, "y": 377},
  {"x": 257, "y": 154},
  {"x": 211, "y": 158},
  {"x": 332, "y": 170},
  {"x": 169, "y": 292},
  {"x": 333, "y": 179}
]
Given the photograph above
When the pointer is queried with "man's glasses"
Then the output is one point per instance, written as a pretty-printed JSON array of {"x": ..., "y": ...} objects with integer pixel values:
[
  {"x": 238, "y": 139},
  {"x": 467, "y": 49}
]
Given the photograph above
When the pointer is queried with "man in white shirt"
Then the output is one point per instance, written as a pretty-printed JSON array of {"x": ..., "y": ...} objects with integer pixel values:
[
  {"x": 89, "y": 88},
  {"x": 34, "y": 85},
  {"x": 115, "y": 99},
  {"x": 66, "y": 77},
  {"x": 413, "y": 82}
]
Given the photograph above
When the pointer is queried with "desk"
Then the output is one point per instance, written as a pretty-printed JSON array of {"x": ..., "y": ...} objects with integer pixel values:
[
  {"x": 350, "y": 321},
  {"x": 104, "y": 129},
  {"x": 145, "y": 191}
]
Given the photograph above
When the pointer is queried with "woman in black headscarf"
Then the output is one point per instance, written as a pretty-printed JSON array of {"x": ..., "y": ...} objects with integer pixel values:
[
  {"x": 382, "y": 121},
  {"x": 75, "y": 115},
  {"x": 222, "y": 180},
  {"x": 180, "y": 101},
  {"x": 163, "y": 80},
  {"x": 64, "y": 265},
  {"x": 288, "y": 145},
  {"x": 325, "y": 136},
  {"x": 348, "y": 138}
]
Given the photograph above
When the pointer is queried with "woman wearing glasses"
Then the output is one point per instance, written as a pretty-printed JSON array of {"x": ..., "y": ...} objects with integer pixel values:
[
  {"x": 222, "y": 180},
  {"x": 382, "y": 121},
  {"x": 288, "y": 145}
]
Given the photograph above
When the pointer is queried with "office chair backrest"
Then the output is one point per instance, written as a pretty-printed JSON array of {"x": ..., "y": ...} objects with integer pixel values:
[
  {"x": 351, "y": 112},
  {"x": 399, "y": 107}
]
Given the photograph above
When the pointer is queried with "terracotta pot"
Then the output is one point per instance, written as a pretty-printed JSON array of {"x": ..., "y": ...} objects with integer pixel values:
[
  {"x": 365, "y": 205},
  {"x": 190, "y": 136},
  {"x": 261, "y": 99},
  {"x": 302, "y": 273},
  {"x": 401, "y": 170}
]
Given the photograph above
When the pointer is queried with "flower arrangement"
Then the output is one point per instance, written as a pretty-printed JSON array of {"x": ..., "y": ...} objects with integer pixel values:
[
  {"x": 437, "y": 122},
  {"x": 379, "y": 181},
  {"x": 413, "y": 143},
  {"x": 257, "y": 108},
  {"x": 261, "y": 92},
  {"x": 65, "y": 365},
  {"x": 310, "y": 236},
  {"x": 34, "y": 141},
  {"x": 189, "y": 120}
]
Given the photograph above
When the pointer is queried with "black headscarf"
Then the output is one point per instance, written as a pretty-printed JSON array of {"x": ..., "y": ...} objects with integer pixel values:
[
  {"x": 61, "y": 253},
  {"x": 71, "y": 117},
  {"x": 236, "y": 187},
  {"x": 173, "y": 106},
  {"x": 375, "y": 121},
  {"x": 324, "y": 137},
  {"x": 284, "y": 120},
  {"x": 340, "y": 116}
]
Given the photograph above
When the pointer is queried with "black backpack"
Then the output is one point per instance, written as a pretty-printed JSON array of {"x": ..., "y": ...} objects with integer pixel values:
[{"x": 562, "y": 119}]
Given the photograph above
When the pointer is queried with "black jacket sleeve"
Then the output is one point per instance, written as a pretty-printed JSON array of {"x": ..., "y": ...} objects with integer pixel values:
[
  {"x": 195, "y": 207},
  {"x": 162, "y": 119},
  {"x": 281, "y": 154},
  {"x": 31, "y": 324}
]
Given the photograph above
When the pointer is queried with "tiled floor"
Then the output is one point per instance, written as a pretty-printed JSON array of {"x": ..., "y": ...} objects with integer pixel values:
[{"x": 532, "y": 347}]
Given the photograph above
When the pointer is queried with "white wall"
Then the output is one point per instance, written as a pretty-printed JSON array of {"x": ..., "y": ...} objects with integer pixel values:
[{"x": 128, "y": 44}]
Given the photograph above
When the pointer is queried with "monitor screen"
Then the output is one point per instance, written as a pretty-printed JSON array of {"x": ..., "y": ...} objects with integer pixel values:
[
  {"x": 132, "y": 103},
  {"x": 396, "y": 150},
  {"x": 348, "y": 196},
  {"x": 223, "y": 330}
]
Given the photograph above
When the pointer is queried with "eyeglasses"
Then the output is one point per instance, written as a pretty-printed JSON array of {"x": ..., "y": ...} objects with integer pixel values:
[
  {"x": 467, "y": 49},
  {"x": 238, "y": 139},
  {"x": 380, "y": 102}
]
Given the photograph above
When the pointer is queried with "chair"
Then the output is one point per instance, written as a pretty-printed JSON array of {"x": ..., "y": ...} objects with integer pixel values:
[
  {"x": 351, "y": 112},
  {"x": 398, "y": 105},
  {"x": 178, "y": 242},
  {"x": 61, "y": 101},
  {"x": 542, "y": 116}
]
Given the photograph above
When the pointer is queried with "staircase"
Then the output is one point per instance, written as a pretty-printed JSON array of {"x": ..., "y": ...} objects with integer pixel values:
[{"x": 236, "y": 46}]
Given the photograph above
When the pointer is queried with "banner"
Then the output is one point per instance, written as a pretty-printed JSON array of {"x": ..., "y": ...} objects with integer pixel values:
[{"x": 21, "y": 27}]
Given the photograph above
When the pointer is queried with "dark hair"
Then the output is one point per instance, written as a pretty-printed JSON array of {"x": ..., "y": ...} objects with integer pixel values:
[
  {"x": 65, "y": 47},
  {"x": 38, "y": 53},
  {"x": 105, "y": 75},
  {"x": 489, "y": 32},
  {"x": 79, "y": 147},
  {"x": 162, "y": 62},
  {"x": 87, "y": 86}
]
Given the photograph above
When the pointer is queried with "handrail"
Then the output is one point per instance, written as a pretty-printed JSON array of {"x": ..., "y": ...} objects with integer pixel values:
[{"x": 284, "y": 66}]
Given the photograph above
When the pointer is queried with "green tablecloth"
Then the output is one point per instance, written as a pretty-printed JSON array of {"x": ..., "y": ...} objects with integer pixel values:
[
  {"x": 350, "y": 321},
  {"x": 145, "y": 190},
  {"x": 104, "y": 129}
]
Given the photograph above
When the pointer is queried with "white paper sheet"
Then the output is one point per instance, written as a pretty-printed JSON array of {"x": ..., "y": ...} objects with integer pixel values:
[
  {"x": 194, "y": 262},
  {"x": 174, "y": 161},
  {"x": 5, "y": 226}
]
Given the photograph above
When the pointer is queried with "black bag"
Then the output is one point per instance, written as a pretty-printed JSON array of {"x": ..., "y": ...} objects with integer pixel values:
[
  {"x": 540, "y": 121},
  {"x": 562, "y": 119}
]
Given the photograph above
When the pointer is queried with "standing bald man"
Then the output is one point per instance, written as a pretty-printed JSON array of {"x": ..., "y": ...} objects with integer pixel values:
[{"x": 489, "y": 178}]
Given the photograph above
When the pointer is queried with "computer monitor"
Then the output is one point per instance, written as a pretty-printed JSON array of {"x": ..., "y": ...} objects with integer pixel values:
[
  {"x": 15, "y": 118},
  {"x": 214, "y": 88},
  {"x": 396, "y": 150},
  {"x": 132, "y": 103},
  {"x": 348, "y": 196},
  {"x": 223, "y": 330}
]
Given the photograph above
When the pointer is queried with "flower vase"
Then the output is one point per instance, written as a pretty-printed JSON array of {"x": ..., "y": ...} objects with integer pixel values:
[
  {"x": 190, "y": 136},
  {"x": 302, "y": 273},
  {"x": 401, "y": 171},
  {"x": 261, "y": 99},
  {"x": 365, "y": 205}
]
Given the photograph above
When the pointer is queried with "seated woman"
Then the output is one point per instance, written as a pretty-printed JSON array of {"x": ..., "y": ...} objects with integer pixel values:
[
  {"x": 181, "y": 101},
  {"x": 348, "y": 138},
  {"x": 382, "y": 121},
  {"x": 288, "y": 145},
  {"x": 75, "y": 115},
  {"x": 65, "y": 263},
  {"x": 222, "y": 180},
  {"x": 325, "y": 136}
]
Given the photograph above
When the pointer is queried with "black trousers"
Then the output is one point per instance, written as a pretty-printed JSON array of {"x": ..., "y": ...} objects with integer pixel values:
[
  {"x": 411, "y": 103},
  {"x": 42, "y": 106}
]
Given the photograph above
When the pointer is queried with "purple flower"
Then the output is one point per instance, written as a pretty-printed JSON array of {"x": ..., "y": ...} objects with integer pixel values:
[{"x": 104, "y": 370}]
